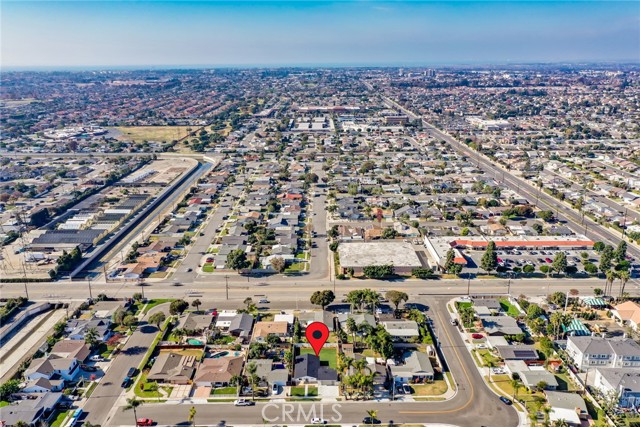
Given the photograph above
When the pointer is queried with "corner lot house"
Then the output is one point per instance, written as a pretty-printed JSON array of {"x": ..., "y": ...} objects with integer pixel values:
[
  {"x": 30, "y": 411},
  {"x": 415, "y": 369},
  {"x": 601, "y": 352},
  {"x": 500, "y": 325}
]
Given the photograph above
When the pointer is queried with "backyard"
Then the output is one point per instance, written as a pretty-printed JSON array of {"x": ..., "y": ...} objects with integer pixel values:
[{"x": 328, "y": 356}]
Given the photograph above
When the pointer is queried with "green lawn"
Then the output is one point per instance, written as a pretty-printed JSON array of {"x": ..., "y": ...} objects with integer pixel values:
[
  {"x": 509, "y": 308},
  {"x": 460, "y": 305},
  {"x": 208, "y": 267},
  {"x": 486, "y": 357},
  {"x": 147, "y": 388},
  {"x": 328, "y": 356},
  {"x": 435, "y": 388},
  {"x": 299, "y": 391},
  {"x": 3, "y": 403},
  {"x": 225, "y": 390},
  {"x": 154, "y": 302},
  {"x": 60, "y": 418}
]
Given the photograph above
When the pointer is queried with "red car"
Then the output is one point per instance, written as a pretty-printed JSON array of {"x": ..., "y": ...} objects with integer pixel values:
[
  {"x": 144, "y": 422},
  {"x": 477, "y": 336},
  {"x": 548, "y": 260}
]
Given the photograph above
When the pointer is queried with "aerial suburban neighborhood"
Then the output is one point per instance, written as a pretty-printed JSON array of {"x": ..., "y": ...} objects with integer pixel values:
[{"x": 470, "y": 238}]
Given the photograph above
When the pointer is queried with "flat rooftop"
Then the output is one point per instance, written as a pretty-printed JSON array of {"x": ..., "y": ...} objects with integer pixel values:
[{"x": 363, "y": 254}]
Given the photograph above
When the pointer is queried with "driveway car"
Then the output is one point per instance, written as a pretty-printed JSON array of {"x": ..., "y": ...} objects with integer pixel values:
[
  {"x": 144, "y": 422},
  {"x": 477, "y": 336}
]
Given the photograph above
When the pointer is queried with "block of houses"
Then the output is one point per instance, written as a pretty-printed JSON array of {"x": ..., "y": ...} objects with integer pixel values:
[
  {"x": 218, "y": 372},
  {"x": 53, "y": 367},
  {"x": 263, "y": 329},
  {"x": 172, "y": 368},
  {"x": 569, "y": 407},
  {"x": 308, "y": 369},
  {"x": 593, "y": 351},
  {"x": 402, "y": 330},
  {"x": 415, "y": 368},
  {"x": 625, "y": 383},
  {"x": 627, "y": 314}
]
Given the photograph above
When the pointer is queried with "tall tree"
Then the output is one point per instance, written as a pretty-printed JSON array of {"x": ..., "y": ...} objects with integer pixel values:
[
  {"x": 157, "y": 318},
  {"x": 237, "y": 260},
  {"x": 560, "y": 262},
  {"x": 397, "y": 297},
  {"x": 91, "y": 337},
  {"x": 322, "y": 298},
  {"x": 624, "y": 278},
  {"x": 278, "y": 263},
  {"x": 489, "y": 260},
  {"x": 196, "y": 303},
  {"x": 621, "y": 251}
]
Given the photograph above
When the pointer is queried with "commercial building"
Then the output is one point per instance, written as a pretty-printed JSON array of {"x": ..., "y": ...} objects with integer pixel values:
[{"x": 357, "y": 255}]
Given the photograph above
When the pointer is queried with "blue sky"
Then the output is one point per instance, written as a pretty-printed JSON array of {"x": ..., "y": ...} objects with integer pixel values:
[{"x": 184, "y": 33}]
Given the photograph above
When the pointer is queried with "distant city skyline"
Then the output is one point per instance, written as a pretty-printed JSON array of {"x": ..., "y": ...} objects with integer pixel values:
[{"x": 86, "y": 34}]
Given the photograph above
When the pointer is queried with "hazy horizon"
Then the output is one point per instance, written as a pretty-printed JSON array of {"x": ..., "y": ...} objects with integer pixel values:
[{"x": 200, "y": 34}]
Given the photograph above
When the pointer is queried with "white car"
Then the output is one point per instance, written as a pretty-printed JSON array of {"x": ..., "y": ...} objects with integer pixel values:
[
  {"x": 318, "y": 421},
  {"x": 96, "y": 358},
  {"x": 264, "y": 301},
  {"x": 243, "y": 402}
]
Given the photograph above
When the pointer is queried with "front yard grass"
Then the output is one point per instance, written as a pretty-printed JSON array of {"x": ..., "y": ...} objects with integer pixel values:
[
  {"x": 208, "y": 267},
  {"x": 60, "y": 418},
  {"x": 299, "y": 391},
  {"x": 435, "y": 388},
  {"x": 486, "y": 357},
  {"x": 154, "y": 302},
  {"x": 146, "y": 390},
  {"x": 328, "y": 356},
  {"x": 224, "y": 390},
  {"x": 509, "y": 308}
]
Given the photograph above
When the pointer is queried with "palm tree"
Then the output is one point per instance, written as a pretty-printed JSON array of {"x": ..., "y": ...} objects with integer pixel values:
[
  {"x": 196, "y": 303},
  {"x": 515, "y": 384},
  {"x": 624, "y": 277},
  {"x": 352, "y": 327},
  {"x": 610, "y": 277},
  {"x": 373, "y": 415},
  {"x": 546, "y": 409},
  {"x": 251, "y": 370},
  {"x": 133, "y": 403},
  {"x": 237, "y": 381},
  {"x": 91, "y": 337},
  {"x": 192, "y": 415},
  {"x": 21, "y": 424},
  {"x": 490, "y": 364}
]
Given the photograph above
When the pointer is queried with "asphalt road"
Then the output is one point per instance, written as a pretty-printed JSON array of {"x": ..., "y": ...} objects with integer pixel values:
[
  {"x": 473, "y": 404},
  {"x": 594, "y": 231},
  {"x": 106, "y": 394}
]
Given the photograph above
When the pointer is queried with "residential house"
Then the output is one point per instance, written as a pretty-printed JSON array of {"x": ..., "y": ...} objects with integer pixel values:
[
  {"x": 30, "y": 411},
  {"x": 172, "y": 368},
  {"x": 307, "y": 317},
  {"x": 75, "y": 349},
  {"x": 593, "y": 351},
  {"x": 43, "y": 385},
  {"x": 569, "y": 407},
  {"x": 241, "y": 325},
  {"x": 269, "y": 372},
  {"x": 624, "y": 383},
  {"x": 218, "y": 372},
  {"x": 415, "y": 368},
  {"x": 195, "y": 323},
  {"x": 500, "y": 325},
  {"x": 532, "y": 379},
  {"x": 402, "y": 330},
  {"x": 77, "y": 328},
  {"x": 517, "y": 352},
  {"x": 263, "y": 329},
  {"x": 627, "y": 314},
  {"x": 308, "y": 369},
  {"x": 53, "y": 367}
]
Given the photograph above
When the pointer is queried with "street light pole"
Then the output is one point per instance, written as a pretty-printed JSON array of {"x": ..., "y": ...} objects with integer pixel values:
[
  {"x": 468, "y": 284},
  {"x": 89, "y": 282},
  {"x": 226, "y": 278}
]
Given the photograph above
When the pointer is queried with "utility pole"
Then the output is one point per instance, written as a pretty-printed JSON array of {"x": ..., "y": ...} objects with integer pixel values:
[
  {"x": 89, "y": 282},
  {"x": 142, "y": 288},
  {"x": 226, "y": 278},
  {"x": 468, "y": 284}
]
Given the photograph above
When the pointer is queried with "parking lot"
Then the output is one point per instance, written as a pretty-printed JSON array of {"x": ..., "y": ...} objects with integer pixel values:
[{"x": 509, "y": 259}]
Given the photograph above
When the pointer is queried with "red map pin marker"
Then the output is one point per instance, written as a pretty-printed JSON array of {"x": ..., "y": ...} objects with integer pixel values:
[{"x": 317, "y": 334}]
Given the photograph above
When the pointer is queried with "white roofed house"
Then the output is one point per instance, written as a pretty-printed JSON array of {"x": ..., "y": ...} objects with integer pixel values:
[
  {"x": 569, "y": 407},
  {"x": 402, "y": 330},
  {"x": 625, "y": 384},
  {"x": 598, "y": 352}
]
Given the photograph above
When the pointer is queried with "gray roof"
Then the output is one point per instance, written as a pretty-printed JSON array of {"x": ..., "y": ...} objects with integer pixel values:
[
  {"x": 359, "y": 318},
  {"x": 600, "y": 345},
  {"x": 195, "y": 322},
  {"x": 491, "y": 303},
  {"x": 308, "y": 365},
  {"x": 501, "y": 324},
  {"x": 517, "y": 352},
  {"x": 415, "y": 363},
  {"x": 78, "y": 237},
  {"x": 325, "y": 317},
  {"x": 531, "y": 378},
  {"x": 622, "y": 379},
  {"x": 29, "y": 410},
  {"x": 241, "y": 323},
  {"x": 402, "y": 328},
  {"x": 564, "y": 400},
  {"x": 172, "y": 367}
]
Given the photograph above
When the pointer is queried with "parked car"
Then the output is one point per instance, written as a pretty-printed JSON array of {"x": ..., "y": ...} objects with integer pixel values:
[
  {"x": 275, "y": 389},
  {"x": 318, "y": 421},
  {"x": 505, "y": 400},
  {"x": 454, "y": 322},
  {"x": 406, "y": 389},
  {"x": 97, "y": 358},
  {"x": 243, "y": 402},
  {"x": 89, "y": 368},
  {"x": 477, "y": 336},
  {"x": 126, "y": 382},
  {"x": 548, "y": 260},
  {"x": 264, "y": 301},
  {"x": 132, "y": 372},
  {"x": 369, "y": 420},
  {"x": 144, "y": 422}
]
